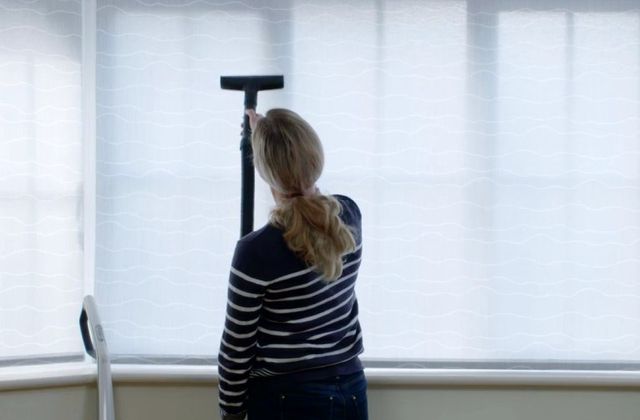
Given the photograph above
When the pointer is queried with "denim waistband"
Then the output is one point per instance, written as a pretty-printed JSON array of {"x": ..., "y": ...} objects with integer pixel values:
[{"x": 341, "y": 370}]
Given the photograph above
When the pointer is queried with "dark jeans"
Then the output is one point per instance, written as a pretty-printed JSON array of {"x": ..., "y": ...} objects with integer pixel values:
[{"x": 334, "y": 398}]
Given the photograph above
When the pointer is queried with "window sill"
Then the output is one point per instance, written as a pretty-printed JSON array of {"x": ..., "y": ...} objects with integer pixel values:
[
  {"x": 74, "y": 374},
  {"x": 45, "y": 376}
]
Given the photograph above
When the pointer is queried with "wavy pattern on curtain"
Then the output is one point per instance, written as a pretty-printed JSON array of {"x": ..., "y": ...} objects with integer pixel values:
[
  {"x": 40, "y": 179},
  {"x": 493, "y": 147},
  {"x": 168, "y": 170}
]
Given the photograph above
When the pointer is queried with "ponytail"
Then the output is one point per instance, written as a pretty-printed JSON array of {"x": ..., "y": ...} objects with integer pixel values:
[
  {"x": 288, "y": 155},
  {"x": 314, "y": 231}
]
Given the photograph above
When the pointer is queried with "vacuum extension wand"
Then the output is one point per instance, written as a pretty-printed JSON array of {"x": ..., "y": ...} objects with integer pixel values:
[{"x": 250, "y": 85}]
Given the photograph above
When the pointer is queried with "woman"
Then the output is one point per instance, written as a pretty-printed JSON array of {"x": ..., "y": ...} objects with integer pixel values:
[{"x": 292, "y": 338}]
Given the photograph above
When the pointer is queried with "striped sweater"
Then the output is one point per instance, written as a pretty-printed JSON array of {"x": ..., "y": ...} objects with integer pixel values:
[{"x": 282, "y": 316}]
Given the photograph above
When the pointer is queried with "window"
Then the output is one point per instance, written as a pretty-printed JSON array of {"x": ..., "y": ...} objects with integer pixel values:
[
  {"x": 40, "y": 181},
  {"x": 492, "y": 147},
  {"x": 565, "y": 182},
  {"x": 168, "y": 172}
]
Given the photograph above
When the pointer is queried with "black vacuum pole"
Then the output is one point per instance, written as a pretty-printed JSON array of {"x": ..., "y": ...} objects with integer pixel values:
[{"x": 250, "y": 85}]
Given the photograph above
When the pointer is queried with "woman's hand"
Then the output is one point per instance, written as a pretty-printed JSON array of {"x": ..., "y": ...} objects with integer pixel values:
[{"x": 253, "y": 118}]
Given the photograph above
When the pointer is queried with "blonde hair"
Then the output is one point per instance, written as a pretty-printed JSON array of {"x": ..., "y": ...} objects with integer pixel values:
[{"x": 288, "y": 155}]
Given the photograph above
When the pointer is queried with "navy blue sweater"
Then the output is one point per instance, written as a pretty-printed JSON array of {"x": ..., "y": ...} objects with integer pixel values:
[{"x": 283, "y": 317}]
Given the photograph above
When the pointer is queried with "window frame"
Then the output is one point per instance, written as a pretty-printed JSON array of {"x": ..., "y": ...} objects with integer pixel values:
[{"x": 482, "y": 36}]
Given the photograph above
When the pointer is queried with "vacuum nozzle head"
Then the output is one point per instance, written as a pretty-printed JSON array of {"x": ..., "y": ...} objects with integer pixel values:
[{"x": 251, "y": 83}]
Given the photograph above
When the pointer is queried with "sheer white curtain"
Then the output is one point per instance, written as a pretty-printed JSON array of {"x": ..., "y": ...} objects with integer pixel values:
[
  {"x": 566, "y": 164},
  {"x": 492, "y": 147},
  {"x": 40, "y": 180},
  {"x": 168, "y": 170}
]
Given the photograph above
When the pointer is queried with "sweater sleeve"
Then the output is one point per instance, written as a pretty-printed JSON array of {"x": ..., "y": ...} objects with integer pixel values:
[
  {"x": 238, "y": 344},
  {"x": 351, "y": 216}
]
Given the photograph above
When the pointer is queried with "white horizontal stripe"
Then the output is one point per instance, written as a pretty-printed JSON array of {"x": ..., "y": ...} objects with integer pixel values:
[
  {"x": 243, "y": 293},
  {"x": 237, "y": 371},
  {"x": 317, "y": 292},
  {"x": 291, "y": 275},
  {"x": 232, "y": 393},
  {"x": 248, "y": 278},
  {"x": 237, "y": 348},
  {"x": 237, "y": 360},
  {"x": 321, "y": 314},
  {"x": 245, "y": 308},
  {"x": 356, "y": 249},
  {"x": 224, "y": 402},
  {"x": 274, "y": 332},
  {"x": 238, "y": 322},
  {"x": 310, "y": 356},
  {"x": 301, "y": 286},
  {"x": 350, "y": 324},
  {"x": 308, "y": 345},
  {"x": 306, "y": 308},
  {"x": 239, "y": 336},
  {"x": 306, "y": 270},
  {"x": 240, "y": 382},
  {"x": 332, "y": 321},
  {"x": 285, "y": 334}
]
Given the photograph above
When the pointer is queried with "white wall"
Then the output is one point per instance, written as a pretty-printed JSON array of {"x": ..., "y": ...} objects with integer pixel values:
[{"x": 199, "y": 402}]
